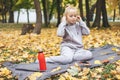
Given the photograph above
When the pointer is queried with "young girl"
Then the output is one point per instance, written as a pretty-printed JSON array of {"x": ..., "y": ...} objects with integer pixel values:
[{"x": 71, "y": 30}]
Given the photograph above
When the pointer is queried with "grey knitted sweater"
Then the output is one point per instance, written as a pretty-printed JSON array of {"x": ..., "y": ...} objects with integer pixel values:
[{"x": 72, "y": 34}]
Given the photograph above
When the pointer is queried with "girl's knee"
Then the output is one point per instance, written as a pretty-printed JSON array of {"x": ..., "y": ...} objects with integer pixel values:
[{"x": 86, "y": 55}]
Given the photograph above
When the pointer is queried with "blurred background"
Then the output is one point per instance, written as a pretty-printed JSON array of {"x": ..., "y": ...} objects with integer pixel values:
[{"x": 47, "y": 12}]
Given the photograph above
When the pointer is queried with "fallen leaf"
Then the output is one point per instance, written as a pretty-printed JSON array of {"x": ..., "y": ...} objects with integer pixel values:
[
  {"x": 97, "y": 62},
  {"x": 73, "y": 70},
  {"x": 111, "y": 57},
  {"x": 118, "y": 76},
  {"x": 4, "y": 71},
  {"x": 34, "y": 75},
  {"x": 56, "y": 69},
  {"x": 2, "y": 46},
  {"x": 115, "y": 49},
  {"x": 105, "y": 61},
  {"x": 118, "y": 69},
  {"x": 118, "y": 52}
]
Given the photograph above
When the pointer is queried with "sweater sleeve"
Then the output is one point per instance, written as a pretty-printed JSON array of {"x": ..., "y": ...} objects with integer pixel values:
[
  {"x": 61, "y": 29},
  {"x": 85, "y": 29}
]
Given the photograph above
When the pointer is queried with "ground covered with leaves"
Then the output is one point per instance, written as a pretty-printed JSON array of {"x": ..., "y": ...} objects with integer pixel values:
[{"x": 23, "y": 49}]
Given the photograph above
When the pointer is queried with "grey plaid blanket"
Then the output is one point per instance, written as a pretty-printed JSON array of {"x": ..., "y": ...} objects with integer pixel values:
[{"x": 24, "y": 70}]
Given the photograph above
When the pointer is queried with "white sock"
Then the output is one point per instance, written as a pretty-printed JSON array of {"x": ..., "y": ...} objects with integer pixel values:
[
  {"x": 46, "y": 59},
  {"x": 49, "y": 60}
]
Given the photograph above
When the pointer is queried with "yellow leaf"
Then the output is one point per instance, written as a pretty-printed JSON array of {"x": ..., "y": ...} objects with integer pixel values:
[
  {"x": 97, "y": 62},
  {"x": 113, "y": 72},
  {"x": 86, "y": 71},
  {"x": 4, "y": 71},
  {"x": 118, "y": 69},
  {"x": 115, "y": 49},
  {"x": 99, "y": 70},
  {"x": 56, "y": 69},
  {"x": 34, "y": 76},
  {"x": 111, "y": 57},
  {"x": 93, "y": 74},
  {"x": 2, "y": 79},
  {"x": 76, "y": 64},
  {"x": 118, "y": 76},
  {"x": 25, "y": 55},
  {"x": 62, "y": 78}
]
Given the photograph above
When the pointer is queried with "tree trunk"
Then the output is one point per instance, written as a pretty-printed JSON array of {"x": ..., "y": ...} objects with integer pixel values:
[
  {"x": 11, "y": 16},
  {"x": 87, "y": 12},
  {"x": 96, "y": 23},
  {"x": 4, "y": 11},
  {"x": 91, "y": 13},
  {"x": 3, "y": 15},
  {"x": 2, "y": 18},
  {"x": 81, "y": 10},
  {"x": 5, "y": 18},
  {"x": 114, "y": 15},
  {"x": 28, "y": 16},
  {"x": 119, "y": 8},
  {"x": 38, "y": 25},
  {"x": 58, "y": 11},
  {"x": 51, "y": 11},
  {"x": 18, "y": 16},
  {"x": 45, "y": 11},
  {"x": 104, "y": 15}
]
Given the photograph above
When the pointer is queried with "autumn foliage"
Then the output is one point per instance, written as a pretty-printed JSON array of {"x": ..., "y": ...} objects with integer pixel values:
[{"x": 23, "y": 49}]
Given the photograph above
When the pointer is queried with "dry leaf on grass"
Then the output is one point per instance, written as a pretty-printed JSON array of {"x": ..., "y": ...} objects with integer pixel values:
[
  {"x": 105, "y": 61},
  {"x": 56, "y": 69},
  {"x": 118, "y": 52},
  {"x": 115, "y": 49},
  {"x": 97, "y": 62},
  {"x": 14, "y": 47},
  {"x": 111, "y": 57},
  {"x": 34, "y": 76}
]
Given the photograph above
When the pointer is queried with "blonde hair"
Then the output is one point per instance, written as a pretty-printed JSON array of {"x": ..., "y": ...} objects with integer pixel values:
[{"x": 69, "y": 8}]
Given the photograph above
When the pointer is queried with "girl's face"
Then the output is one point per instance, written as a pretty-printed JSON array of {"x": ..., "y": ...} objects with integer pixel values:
[{"x": 71, "y": 17}]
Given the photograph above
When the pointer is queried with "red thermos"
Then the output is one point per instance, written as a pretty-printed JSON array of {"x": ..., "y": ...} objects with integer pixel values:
[{"x": 42, "y": 62}]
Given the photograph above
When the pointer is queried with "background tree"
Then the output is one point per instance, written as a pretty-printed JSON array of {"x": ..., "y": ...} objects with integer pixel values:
[
  {"x": 52, "y": 7},
  {"x": 81, "y": 9},
  {"x": 45, "y": 12},
  {"x": 104, "y": 14},
  {"x": 113, "y": 6},
  {"x": 26, "y": 4},
  {"x": 59, "y": 9},
  {"x": 119, "y": 7},
  {"x": 98, "y": 14},
  {"x": 11, "y": 15},
  {"x": 101, "y": 8},
  {"x": 91, "y": 12},
  {"x": 87, "y": 13},
  {"x": 17, "y": 7},
  {"x": 4, "y": 9},
  {"x": 38, "y": 25},
  {"x": 56, "y": 8}
]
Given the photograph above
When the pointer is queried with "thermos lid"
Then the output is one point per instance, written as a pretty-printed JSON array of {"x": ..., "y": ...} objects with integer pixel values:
[{"x": 40, "y": 50}]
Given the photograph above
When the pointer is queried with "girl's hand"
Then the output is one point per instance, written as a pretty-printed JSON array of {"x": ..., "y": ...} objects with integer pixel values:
[{"x": 78, "y": 18}]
